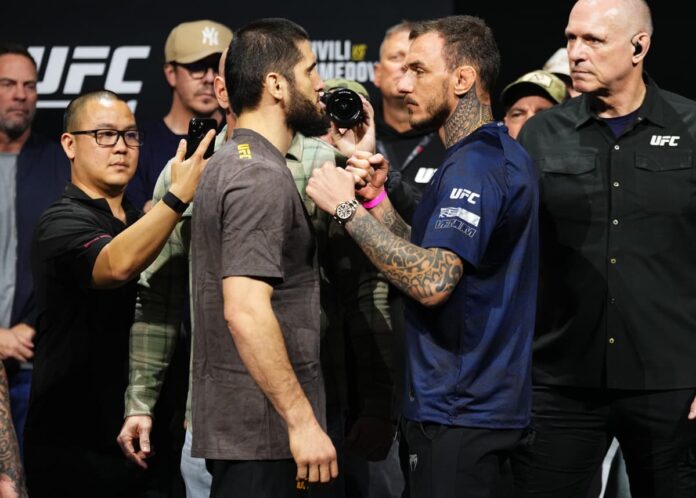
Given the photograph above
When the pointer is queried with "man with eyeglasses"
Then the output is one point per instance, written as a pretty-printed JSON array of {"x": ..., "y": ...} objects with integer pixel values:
[
  {"x": 191, "y": 53},
  {"x": 87, "y": 252}
]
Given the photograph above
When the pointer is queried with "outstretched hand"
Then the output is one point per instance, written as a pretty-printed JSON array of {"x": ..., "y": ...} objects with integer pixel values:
[
  {"x": 362, "y": 137},
  {"x": 186, "y": 173}
]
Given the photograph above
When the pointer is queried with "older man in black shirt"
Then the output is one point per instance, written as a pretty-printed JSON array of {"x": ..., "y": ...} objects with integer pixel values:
[{"x": 616, "y": 330}]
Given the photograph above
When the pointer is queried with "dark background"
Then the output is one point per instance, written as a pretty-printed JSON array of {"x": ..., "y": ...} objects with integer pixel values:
[{"x": 527, "y": 33}]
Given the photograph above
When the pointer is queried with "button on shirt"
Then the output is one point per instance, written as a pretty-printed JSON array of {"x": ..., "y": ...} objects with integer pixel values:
[
  {"x": 468, "y": 360},
  {"x": 618, "y": 237}
]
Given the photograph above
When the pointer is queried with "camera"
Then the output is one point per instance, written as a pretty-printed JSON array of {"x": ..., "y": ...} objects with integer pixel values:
[{"x": 344, "y": 107}]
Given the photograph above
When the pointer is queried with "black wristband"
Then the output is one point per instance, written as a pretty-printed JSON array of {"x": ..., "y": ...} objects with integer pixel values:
[{"x": 174, "y": 202}]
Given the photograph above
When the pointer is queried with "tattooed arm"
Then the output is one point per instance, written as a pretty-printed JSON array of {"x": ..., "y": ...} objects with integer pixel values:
[
  {"x": 386, "y": 213},
  {"x": 427, "y": 275},
  {"x": 372, "y": 170},
  {"x": 11, "y": 477}
]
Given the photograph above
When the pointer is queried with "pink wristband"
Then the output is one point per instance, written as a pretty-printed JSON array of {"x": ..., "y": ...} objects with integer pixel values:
[{"x": 374, "y": 202}]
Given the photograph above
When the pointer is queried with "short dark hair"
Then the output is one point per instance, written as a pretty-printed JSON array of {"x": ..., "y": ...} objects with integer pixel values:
[
  {"x": 76, "y": 105},
  {"x": 16, "y": 49},
  {"x": 258, "y": 48},
  {"x": 468, "y": 40}
]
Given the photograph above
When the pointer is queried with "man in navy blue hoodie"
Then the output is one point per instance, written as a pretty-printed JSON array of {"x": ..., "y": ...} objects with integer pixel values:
[{"x": 33, "y": 173}]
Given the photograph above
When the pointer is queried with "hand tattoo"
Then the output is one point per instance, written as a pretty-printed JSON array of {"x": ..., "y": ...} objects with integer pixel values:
[{"x": 469, "y": 115}]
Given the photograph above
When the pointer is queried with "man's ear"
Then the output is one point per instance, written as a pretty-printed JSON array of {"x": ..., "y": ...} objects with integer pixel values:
[
  {"x": 464, "y": 79},
  {"x": 170, "y": 74},
  {"x": 221, "y": 92},
  {"x": 275, "y": 85},
  {"x": 641, "y": 44},
  {"x": 67, "y": 141}
]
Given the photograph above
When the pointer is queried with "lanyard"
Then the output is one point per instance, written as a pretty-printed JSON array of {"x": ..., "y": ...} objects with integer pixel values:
[{"x": 420, "y": 147}]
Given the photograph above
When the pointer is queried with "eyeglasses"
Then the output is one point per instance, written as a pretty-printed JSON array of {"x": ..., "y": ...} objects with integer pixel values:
[
  {"x": 197, "y": 70},
  {"x": 109, "y": 138}
]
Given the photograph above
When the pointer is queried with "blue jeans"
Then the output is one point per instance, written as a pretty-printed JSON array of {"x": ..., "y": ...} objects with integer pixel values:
[{"x": 196, "y": 476}]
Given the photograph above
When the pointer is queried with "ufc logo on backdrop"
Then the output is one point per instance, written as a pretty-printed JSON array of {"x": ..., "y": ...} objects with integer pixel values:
[
  {"x": 65, "y": 71},
  {"x": 461, "y": 193},
  {"x": 662, "y": 140}
]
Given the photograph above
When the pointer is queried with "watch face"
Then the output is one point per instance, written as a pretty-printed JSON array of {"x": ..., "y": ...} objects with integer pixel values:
[{"x": 344, "y": 210}]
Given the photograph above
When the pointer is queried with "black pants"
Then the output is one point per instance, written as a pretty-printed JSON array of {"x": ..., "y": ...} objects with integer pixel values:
[
  {"x": 57, "y": 472},
  {"x": 254, "y": 479},
  {"x": 449, "y": 462},
  {"x": 573, "y": 427}
]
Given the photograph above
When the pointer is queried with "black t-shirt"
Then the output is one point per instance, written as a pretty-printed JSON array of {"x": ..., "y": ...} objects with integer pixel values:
[
  {"x": 159, "y": 146},
  {"x": 81, "y": 351}
]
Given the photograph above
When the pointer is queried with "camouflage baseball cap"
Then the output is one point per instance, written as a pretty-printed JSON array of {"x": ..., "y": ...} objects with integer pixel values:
[
  {"x": 192, "y": 41},
  {"x": 535, "y": 83},
  {"x": 349, "y": 84}
]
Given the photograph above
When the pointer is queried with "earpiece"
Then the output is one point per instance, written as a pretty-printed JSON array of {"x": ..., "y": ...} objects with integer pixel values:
[{"x": 637, "y": 48}]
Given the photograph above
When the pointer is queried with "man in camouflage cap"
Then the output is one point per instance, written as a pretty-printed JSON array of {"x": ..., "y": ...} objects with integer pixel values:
[{"x": 529, "y": 94}]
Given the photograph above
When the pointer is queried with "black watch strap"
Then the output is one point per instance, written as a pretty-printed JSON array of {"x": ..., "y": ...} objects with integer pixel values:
[{"x": 174, "y": 202}]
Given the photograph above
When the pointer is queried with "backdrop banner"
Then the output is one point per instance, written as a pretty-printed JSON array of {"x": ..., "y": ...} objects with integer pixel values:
[{"x": 80, "y": 46}]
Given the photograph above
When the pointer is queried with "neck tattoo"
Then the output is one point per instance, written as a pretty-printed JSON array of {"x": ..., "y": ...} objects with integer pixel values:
[{"x": 469, "y": 115}]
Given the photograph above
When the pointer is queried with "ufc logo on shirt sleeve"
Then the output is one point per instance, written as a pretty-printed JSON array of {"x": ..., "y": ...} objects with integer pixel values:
[{"x": 461, "y": 193}]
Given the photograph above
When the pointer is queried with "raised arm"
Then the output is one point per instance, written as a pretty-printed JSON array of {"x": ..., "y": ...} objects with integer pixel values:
[
  {"x": 131, "y": 251},
  {"x": 427, "y": 275}
]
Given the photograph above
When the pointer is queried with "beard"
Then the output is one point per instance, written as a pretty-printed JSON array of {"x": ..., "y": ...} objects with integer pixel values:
[
  {"x": 437, "y": 115},
  {"x": 15, "y": 127},
  {"x": 436, "y": 112},
  {"x": 304, "y": 117}
]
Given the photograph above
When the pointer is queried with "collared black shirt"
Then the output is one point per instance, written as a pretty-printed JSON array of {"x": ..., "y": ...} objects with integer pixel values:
[
  {"x": 617, "y": 301},
  {"x": 81, "y": 353}
]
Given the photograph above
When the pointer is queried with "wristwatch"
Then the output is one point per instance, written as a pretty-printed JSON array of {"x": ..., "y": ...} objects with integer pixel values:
[{"x": 345, "y": 211}]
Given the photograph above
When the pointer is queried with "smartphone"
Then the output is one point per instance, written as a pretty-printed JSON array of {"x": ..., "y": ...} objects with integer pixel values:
[{"x": 198, "y": 128}]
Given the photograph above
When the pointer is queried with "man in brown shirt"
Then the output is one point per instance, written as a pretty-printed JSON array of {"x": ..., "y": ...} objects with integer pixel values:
[{"x": 258, "y": 406}]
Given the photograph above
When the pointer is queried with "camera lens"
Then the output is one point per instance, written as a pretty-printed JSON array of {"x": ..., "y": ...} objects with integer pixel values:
[{"x": 344, "y": 107}]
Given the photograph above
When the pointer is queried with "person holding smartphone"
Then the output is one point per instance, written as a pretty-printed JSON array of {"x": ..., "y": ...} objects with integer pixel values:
[
  {"x": 191, "y": 55},
  {"x": 88, "y": 250}
]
